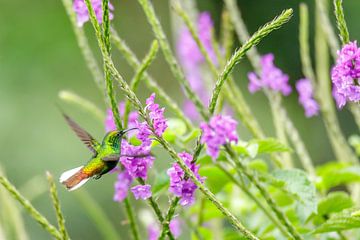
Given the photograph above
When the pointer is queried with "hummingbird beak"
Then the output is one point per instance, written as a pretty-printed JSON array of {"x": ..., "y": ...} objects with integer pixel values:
[{"x": 127, "y": 130}]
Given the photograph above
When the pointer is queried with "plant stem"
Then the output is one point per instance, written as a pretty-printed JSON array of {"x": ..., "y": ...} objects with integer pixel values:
[
  {"x": 83, "y": 103},
  {"x": 341, "y": 23},
  {"x": 168, "y": 217},
  {"x": 84, "y": 47},
  {"x": 97, "y": 215},
  {"x": 56, "y": 203},
  {"x": 130, "y": 214},
  {"x": 30, "y": 208},
  {"x": 169, "y": 56},
  {"x": 145, "y": 64},
  {"x": 283, "y": 18},
  {"x": 149, "y": 81},
  {"x": 255, "y": 199}
]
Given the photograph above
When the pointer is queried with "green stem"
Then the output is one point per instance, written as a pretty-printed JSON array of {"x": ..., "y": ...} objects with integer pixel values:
[
  {"x": 107, "y": 46},
  {"x": 56, "y": 203},
  {"x": 30, "y": 208},
  {"x": 83, "y": 103},
  {"x": 149, "y": 81},
  {"x": 101, "y": 221},
  {"x": 145, "y": 64},
  {"x": 169, "y": 56},
  {"x": 276, "y": 23},
  {"x": 84, "y": 47},
  {"x": 130, "y": 214},
  {"x": 341, "y": 23},
  {"x": 170, "y": 213},
  {"x": 245, "y": 189}
]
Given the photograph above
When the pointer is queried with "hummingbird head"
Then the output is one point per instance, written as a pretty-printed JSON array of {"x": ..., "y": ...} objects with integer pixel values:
[{"x": 114, "y": 137}]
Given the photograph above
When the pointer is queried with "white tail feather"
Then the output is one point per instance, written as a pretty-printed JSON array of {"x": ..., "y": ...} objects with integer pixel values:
[{"x": 66, "y": 175}]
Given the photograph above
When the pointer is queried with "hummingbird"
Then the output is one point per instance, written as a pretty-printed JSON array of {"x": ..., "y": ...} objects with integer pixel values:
[{"x": 105, "y": 156}]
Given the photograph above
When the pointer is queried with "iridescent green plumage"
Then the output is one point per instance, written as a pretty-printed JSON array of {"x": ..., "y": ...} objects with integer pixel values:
[{"x": 105, "y": 156}]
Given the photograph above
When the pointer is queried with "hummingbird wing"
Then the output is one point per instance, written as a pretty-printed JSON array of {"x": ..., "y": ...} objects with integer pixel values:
[
  {"x": 111, "y": 157},
  {"x": 84, "y": 136}
]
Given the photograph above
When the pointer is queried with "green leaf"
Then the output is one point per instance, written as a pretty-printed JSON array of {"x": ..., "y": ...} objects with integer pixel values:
[
  {"x": 339, "y": 222},
  {"x": 334, "y": 173},
  {"x": 298, "y": 184},
  {"x": 247, "y": 149},
  {"x": 161, "y": 182},
  {"x": 258, "y": 165},
  {"x": 194, "y": 134},
  {"x": 354, "y": 141},
  {"x": 215, "y": 178},
  {"x": 204, "y": 232},
  {"x": 270, "y": 145},
  {"x": 209, "y": 211},
  {"x": 252, "y": 149},
  {"x": 334, "y": 202}
]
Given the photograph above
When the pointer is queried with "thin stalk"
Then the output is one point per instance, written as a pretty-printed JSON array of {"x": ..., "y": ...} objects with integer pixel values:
[
  {"x": 30, "y": 208},
  {"x": 254, "y": 179},
  {"x": 107, "y": 46},
  {"x": 283, "y": 18},
  {"x": 341, "y": 149},
  {"x": 97, "y": 215},
  {"x": 356, "y": 113},
  {"x": 59, "y": 216},
  {"x": 149, "y": 81},
  {"x": 145, "y": 64},
  {"x": 245, "y": 189},
  {"x": 131, "y": 218},
  {"x": 169, "y": 215},
  {"x": 83, "y": 103},
  {"x": 307, "y": 68},
  {"x": 84, "y": 47},
  {"x": 299, "y": 145},
  {"x": 341, "y": 23},
  {"x": 169, "y": 56},
  {"x": 137, "y": 104}
]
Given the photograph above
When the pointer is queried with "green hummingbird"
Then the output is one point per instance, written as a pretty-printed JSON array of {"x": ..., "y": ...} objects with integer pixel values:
[{"x": 105, "y": 156}]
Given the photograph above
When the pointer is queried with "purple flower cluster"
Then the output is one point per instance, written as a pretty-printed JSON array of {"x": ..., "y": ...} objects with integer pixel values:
[
  {"x": 179, "y": 185},
  {"x": 136, "y": 160},
  {"x": 305, "y": 90},
  {"x": 191, "y": 59},
  {"x": 141, "y": 191},
  {"x": 220, "y": 130},
  {"x": 271, "y": 77},
  {"x": 82, "y": 13},
  {"x": 156, "y": 115},
  {"x": 345, "y": 75}
]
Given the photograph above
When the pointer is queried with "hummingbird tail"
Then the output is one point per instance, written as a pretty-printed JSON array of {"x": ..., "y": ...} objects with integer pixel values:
[{"x": 74, "y": 178}]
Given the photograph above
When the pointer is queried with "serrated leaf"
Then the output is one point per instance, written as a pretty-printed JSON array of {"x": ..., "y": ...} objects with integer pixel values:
[
  {"x": 298, "y": 184},
  {"x": 215, "y": 178},
  {"x": 334, "y": 202},
  {"x": 339, "y": 222},
  {"x": 270, "y": 145},
  {"x": 161, "y": 182},
  {"x": 334, "y": 173}
]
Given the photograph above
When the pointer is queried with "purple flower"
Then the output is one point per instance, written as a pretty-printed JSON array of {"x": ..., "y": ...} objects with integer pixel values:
[
  {"x": 220, "y": 130},
  {"x": 136, "y": 159},
  {"x": 305, "y": 90},
  {"x": 191, "y": 58},
  {"x": 156, "y": 115},
  {"x": 82, "y": 13},
  {"x": 175, "y": 227},
  {"x": 141, "y": 191},
  {"x": 345, "y": 75},
  {"x": 179, "y": 185},
  {"x": 270, "y": 77},
  {"x": 122, "y": 186},
  {"x": 110, "y": 123}
]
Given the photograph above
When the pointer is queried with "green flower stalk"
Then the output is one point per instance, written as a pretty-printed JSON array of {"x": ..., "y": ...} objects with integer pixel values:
[
  {"x": 30, "y": 209},
  {"x": 341, "y": 23}
]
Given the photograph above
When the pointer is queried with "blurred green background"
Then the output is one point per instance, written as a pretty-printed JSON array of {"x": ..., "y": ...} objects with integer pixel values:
[{"x": 39, "y": 57}]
